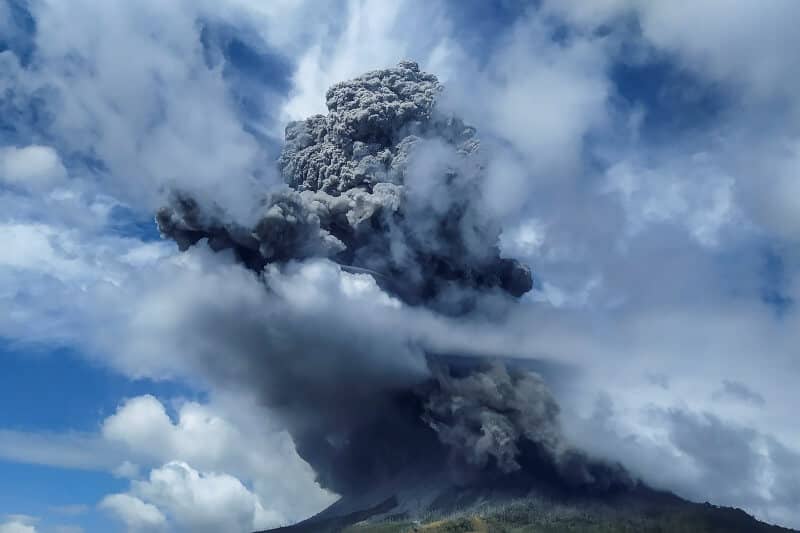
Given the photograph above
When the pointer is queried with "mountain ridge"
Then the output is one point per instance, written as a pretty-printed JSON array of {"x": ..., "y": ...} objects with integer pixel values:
[{"x": 640, "y": 510}]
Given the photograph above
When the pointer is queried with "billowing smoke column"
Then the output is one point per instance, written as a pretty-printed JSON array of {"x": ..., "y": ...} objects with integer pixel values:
[
  {"x": 387, "y": 185},
  {"x": 382, "y": 183}
]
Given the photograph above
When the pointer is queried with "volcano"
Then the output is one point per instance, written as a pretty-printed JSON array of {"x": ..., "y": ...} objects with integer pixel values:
[
  {"x": 383, "y": 198},
  {"x": 575, "y": 493},
  {"x": 519, "y": 508}
]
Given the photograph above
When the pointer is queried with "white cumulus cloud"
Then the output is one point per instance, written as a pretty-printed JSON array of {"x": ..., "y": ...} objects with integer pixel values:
[
  {"x": 204, "y": 501},
  {"x": 31, "y": 167},
  {"x": 138, "y": 516}
]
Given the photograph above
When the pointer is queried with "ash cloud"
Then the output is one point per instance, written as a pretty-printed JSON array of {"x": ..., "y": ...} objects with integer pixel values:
[
  {"x": 386, "y": 186},
  {"x": 484, "y": 415},
  {"x": 360, "y": 191}
]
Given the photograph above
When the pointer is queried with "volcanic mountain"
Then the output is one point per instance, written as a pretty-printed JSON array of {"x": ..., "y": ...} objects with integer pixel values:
[
  {"x": 573, "y": 493},
  {"x": 494, "y": 510},
  {"x": 383, "y": 196}
]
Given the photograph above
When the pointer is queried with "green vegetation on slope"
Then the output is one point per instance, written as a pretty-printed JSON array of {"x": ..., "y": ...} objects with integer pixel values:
[{"x": 538, "y": 517}]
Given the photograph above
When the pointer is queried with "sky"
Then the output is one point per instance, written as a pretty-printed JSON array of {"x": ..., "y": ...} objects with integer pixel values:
[{"x": 645, "y": 163}]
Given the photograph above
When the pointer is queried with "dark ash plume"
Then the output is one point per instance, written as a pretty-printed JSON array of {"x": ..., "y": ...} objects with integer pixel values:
[
  {"x": 385, "y": 185},
  {"x": 486, "y": 414}
]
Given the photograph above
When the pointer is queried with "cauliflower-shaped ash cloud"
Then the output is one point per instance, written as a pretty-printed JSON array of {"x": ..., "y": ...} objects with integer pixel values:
[
  {"x": 359, "y": 142},
  {"x": 383, "y": 183}
]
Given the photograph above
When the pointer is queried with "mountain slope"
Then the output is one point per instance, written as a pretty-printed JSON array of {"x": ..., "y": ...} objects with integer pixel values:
[
  {"x": 532, "y": 517},
  {"x": 638, "y": 511}
]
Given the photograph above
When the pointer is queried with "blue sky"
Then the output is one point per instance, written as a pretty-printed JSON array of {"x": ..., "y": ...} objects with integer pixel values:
[{"x": 646, "y": 165}]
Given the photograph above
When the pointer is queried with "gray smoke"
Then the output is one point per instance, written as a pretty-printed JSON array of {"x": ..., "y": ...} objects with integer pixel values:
[
  {"x": 385, "y": 185},
  {"x": 486, "y": 414}
]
